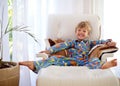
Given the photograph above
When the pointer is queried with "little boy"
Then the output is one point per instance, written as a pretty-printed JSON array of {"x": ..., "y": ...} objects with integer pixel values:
[{"x": 77, "y": 50}]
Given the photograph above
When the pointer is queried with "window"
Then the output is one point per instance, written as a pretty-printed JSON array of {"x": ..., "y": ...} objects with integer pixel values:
[{"x": 10, "y": 14}]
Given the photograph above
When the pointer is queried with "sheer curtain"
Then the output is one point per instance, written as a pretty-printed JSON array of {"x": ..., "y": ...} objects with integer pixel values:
[
  {"x": 111, "y": 22},
  {"x": 4, "y": 22},
  {"x": 34, "y": 13},
  {"x": 31, "y": 13}
]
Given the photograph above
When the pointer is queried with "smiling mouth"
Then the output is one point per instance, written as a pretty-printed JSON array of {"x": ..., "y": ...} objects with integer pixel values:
[{"x": 81, "y": 35}]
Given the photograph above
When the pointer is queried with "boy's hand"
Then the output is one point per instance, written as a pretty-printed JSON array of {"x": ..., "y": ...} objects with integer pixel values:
[
  {"x": 111, "y": 43},
  {"x": 45, "y": 51}
]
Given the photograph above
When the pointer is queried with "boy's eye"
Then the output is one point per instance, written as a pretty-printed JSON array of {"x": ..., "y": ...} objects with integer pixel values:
[{"x": 79, "y": 30}]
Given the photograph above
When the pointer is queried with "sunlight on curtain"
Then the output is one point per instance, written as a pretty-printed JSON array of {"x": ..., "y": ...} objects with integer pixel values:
[
  {"x": 66, "y": 7},
  {"x": 31, "y": 13},
  {"x": 111, "y": 22},
  {"x": 20, "y": 40},
  {"x": 37, "y": 17}
]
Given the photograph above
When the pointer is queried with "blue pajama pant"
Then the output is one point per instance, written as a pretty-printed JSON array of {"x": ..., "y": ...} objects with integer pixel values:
[{"x": 93, "y": 63}]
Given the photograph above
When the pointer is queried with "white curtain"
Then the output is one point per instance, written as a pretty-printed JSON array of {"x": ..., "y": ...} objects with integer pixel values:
[
  {"x": 4, "y": 22},
  {"x": 111, "y": 23},
  {"x": 33, "y": 13}
]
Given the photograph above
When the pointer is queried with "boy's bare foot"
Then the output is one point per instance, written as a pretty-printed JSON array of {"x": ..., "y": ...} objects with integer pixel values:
[
  {"x": 29, "y": 64},
  {"x": 109, "y": 64}
]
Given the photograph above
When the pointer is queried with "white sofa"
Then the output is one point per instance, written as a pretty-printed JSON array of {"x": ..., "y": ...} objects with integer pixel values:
[{"x": 62, "y": 26}]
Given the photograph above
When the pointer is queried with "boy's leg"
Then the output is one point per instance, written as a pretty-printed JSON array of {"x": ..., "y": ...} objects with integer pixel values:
[
  {"x": 35, "y": 66},
  {"x": 29, "y": 64},
  {"x": 109, "y": 64},
  {"x": 95, "y": 63}
]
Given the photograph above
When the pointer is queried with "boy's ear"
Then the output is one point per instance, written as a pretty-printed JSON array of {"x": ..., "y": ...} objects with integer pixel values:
[{"x": 88, "y": 36}]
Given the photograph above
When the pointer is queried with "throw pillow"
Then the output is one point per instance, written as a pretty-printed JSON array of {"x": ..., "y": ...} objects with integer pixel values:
[{"x": 60, "y": 53}]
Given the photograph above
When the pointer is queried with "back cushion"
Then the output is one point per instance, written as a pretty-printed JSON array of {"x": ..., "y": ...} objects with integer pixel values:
[{"x": 63, "y": 26}]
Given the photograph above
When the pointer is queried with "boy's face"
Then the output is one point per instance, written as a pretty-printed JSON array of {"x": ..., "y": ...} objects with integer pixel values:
[{"x": 82, "y": 33}]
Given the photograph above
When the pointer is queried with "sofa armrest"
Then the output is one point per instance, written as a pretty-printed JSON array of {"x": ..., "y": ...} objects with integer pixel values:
[
  {"x": 105, "y": 56},
  {"x": 42, "y": 55}
]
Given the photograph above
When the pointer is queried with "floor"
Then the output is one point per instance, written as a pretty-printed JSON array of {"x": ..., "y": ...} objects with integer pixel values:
[{"x": 116, "y": 71}]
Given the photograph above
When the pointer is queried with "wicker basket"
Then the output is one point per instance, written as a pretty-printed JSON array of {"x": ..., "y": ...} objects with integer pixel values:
[{"x": 10, "y": 76}]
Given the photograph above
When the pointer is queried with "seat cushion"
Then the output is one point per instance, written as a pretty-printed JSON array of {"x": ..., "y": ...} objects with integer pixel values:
[{"x": 75, "y": 76}]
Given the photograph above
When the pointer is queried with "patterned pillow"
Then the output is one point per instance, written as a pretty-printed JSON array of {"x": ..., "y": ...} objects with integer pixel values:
[{"x": 60, "y": 53}]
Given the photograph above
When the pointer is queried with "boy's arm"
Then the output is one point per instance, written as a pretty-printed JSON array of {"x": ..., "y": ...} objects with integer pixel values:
[
  {"x": 93, "y": 43},
  {"x": 60, "y": 46},
  {"x": 111, "y": 43}
]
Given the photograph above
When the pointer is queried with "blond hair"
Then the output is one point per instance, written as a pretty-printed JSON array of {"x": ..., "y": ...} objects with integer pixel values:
[{"x": 84, "y": 24}]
